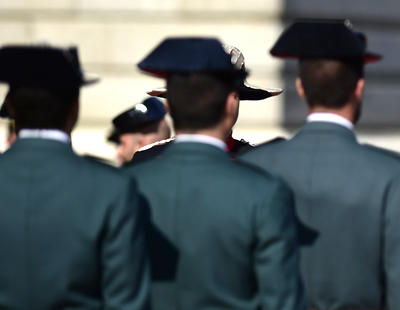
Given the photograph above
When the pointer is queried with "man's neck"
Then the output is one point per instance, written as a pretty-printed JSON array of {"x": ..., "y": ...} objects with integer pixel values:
[
  {"x": 49, "y": 134},
  {"x": 205, "y": 132},
  {"x": 345, "y": 112}
]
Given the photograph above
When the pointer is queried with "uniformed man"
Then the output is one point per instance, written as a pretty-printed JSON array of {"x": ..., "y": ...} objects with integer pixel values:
[
  {"x": 139, "y": 126},
  {"x": 246, "y": 92},
  {"x": 347, "y": 192},
  {"x": 224, "y": 232},
  {"x": 70, "y": 229}
]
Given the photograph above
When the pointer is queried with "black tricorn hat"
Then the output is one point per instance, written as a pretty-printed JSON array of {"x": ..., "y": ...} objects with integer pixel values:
[
  {"x": 246, "y": 91},
  {"x": 323, "y": 38},
  {"x": 188, "y": 55},
  {"x": 40, "y": 66},
  {"x": 146, "y": 112}
]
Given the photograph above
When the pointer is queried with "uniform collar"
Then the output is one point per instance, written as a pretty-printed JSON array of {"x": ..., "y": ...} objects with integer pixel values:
[
  {"x": 49, "y": 134},
  {"x": 330, "y": 118},
  {"x": 201, "y": 139}
]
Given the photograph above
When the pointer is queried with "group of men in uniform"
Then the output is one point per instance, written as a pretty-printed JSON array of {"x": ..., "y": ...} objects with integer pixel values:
[
  {"x": 305, "y": 223},
  {"x": 135, "y": 120}
]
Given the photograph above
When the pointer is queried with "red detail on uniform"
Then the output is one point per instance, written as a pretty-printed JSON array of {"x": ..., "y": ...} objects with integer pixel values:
[{"x": 230, "y": 143}]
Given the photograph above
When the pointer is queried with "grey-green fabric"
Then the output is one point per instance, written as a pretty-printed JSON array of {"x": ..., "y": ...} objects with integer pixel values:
[
  {"x": 71, "y": 232},
  {"x": 226, "y": 229},
  {"x": 349, "y": 194}
]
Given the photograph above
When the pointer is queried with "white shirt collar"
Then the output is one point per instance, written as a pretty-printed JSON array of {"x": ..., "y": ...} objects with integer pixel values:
[
  {"x": 330, "y": 118},
  {"x": 50, "y": 134},
  {"x": 201, "y": 139}
]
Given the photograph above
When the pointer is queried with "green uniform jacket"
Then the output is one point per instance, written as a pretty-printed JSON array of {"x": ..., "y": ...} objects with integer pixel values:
[
  {"x": 349, "y": 194},
  {"x": 71, "y": 236},
  {"x": 226, "y": 232}
]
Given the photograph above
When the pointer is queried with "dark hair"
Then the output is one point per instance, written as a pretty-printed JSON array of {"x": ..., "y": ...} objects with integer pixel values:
[
  {"x": 41, "y": 108},
  {"x": 197, "y": 100},
  {"x": 329, "y": 82}
]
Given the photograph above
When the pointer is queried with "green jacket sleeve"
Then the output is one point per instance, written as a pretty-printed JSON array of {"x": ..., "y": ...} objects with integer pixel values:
[
  {"x": 277, "y": 253},
  {"x": 125, "y": 270}
]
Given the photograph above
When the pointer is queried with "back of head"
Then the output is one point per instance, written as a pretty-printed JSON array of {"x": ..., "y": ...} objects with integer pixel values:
[
  {"x": 200, "y": 76},
  {"x": 329, "y": 82},
  {"x": 36, "y": 107},
  {"x": 331, "y": 56},
  {"x": 197, "y": 100}
]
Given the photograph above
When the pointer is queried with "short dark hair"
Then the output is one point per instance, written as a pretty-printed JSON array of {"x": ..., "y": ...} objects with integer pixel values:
[
  {"x": 36, "y": 107},
  {"x": 329, "y": 82},
  {"x": 197, "y": 100}
]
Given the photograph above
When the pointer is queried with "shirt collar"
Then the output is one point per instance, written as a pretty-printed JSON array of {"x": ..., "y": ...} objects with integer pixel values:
[
  {"x": 201, "y": 139},
  {"x": 50, "y": 134},
  {"x": 330, "y": 118}
]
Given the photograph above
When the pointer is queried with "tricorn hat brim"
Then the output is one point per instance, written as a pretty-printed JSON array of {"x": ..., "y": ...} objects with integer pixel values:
[
  {"x": 246, "y": 92},
  {"x": 90, "y": 79}
]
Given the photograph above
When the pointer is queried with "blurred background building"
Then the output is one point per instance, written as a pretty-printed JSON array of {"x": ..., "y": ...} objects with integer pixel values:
[{"x": 113, "y": 35}]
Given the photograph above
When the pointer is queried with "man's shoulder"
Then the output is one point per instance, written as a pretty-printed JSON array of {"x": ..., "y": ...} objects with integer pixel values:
[
  {"x": 99, "y": 171},
  {"x": 377, "y": 157},
  {"x": 150, "y": 151},
  {"x": 253, "y": 177},
  {"x": 378, "y": 151},
  {"x": 265, "y": 147}
]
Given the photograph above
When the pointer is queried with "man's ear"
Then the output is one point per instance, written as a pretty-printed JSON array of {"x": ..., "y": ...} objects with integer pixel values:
[
  {"x": 232, "y": 104},
  {"x": 359, "y": 90},
  {"x": 300, "y": 89},
  {"x": 73, "y": 115}
]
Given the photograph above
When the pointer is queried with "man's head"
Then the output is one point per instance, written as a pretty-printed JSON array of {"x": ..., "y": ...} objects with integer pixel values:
[
  {"x": 129, "y": 143},
  {"x": 202, "y": 83},
  {"x": 44, "y": 108},
  {"x": 331, "y": 64},
  {"x": 139, "y": 126},
  {"x": 44, "y": 85},
  {"x": 246, "y": 91},
  {"x": 198, "y": 100}
]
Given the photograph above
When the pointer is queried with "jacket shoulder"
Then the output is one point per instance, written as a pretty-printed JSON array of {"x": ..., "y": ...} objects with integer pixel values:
[
  {"x": 150, "y": 151},
  {"x": 269, "y": 145},
  {"x": 103, "y": 172},
  {"x": 382, "y": 151},
  {"x": 254, "y": 174}
]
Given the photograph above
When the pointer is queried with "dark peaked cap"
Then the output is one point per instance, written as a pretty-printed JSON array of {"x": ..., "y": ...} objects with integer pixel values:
[
  {"x": 41, "y": 66},
  {"x": 328, "y": 38},
  {"x": 148, "y": 111},
  {"x": 185, "y": 55}
]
